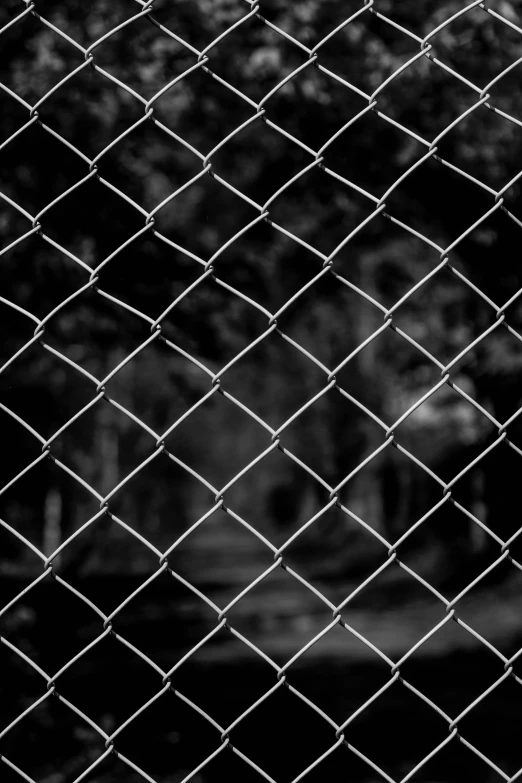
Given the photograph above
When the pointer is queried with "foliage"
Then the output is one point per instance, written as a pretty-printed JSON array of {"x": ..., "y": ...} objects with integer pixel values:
[{"x": 212, "y": 324}]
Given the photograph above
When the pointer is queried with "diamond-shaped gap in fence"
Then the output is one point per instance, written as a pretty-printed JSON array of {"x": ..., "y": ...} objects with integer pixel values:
[
  {"x": 51, "y": 728},
  {"x": 22, "y": 413},
  {"x": 46, "y": 498},
  {"x": 443, "y": 221},
  {"x": 165, "y": 492},
  {"x": 270, "y": 73},
  {"x": 394, "y": 273},
  {"x": 484, "y": 248},
  {"x": 454, "y": 333},
  {"x": 146, "y": 61},
  {"x": 459, "y": 45},
  {"x": 374, "y": 166},
  {"x": 246, "y": 675},
  {"x": 80, "y": 557},
  {"x": 445, "y": 98},
  {"x": 90, "y": 113},
  {"x": 21, "y": 181},
  {"x": 153, "y": 168},
  {"x": 71, "y": 125},
  {"x": 36, "y": 405},
  {"x": 94, "y": 212},
  {"x": 289, "y": 352},
  {"x": 320, "y": 541},
  {"x": 270, "y": 267},
  {"x": 255, "y": 495},
  {"x": 408, "y": 729},
  {"x": 150, "y": 277},
  {"x": 59, "y": 626},
  {"x": 294, "y": 108},
  {"x": 394, "y": 629},
  {"x": 224, "y": 554},
  {"x": 417, "y": 354},
  {"x": 285, "y": 375},
  {"x": 356, "y": 453},
  {"x": 180, "y": 739},
  {"x": 148, "y": 407},
  {"x": 56, "y": 277},
  {"x": 491, "y": 607},
  {"x": 326, "y": 442},
  {"x": 299, "y": 207},
  {"x": 58, "y": 514},
  {"x": 339, "y": 674},
  {"x": 401, "y": 470},
  {"x": 107, "y": 678},
  {"x": 286, "y": 87},
  {"x": 186, "y": 599},
  {"x": 452, "y": 218},
  {"x": 448, "y": 411},
  {"x": 152, "y": 410},
  {"x": 283, "y": 735},
  {"x": 213, "y": 316},
  {"x": 407, "y": 83},
  {"x": 310, "y": 322},
  {"x": 292, "y": 612},
  {"x": 35, "y": 182},
  {"x": 127, "y": 332},
  {"x": 123, "y": 333},
  {"x": 124, "y": 54},
  {"x": 258, "y": 177},
  {"x": 453, "y": 667},
  {"x": 207, "y": 110},
  {"x": 446, "y": 546},
  {"x": 490, "y": 724},
  {"x": 461, "y": 147},
  {"x": 146, "y": 597},
  {"x": 346, "y": 50},
  {"x": 259, "y": 65},
  {"x": 217, "y": 231},
  {"x": 492, "y": 482}
]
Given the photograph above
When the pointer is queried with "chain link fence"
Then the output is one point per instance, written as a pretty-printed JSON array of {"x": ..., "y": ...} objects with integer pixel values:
[{"x": 311, "y": 257}]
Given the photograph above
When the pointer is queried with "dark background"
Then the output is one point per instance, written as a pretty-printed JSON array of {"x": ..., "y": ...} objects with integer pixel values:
[{"x": 217, "y": 320}]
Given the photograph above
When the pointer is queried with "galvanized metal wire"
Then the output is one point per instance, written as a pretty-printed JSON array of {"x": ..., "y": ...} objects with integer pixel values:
[{"x": 217, "y": 383}]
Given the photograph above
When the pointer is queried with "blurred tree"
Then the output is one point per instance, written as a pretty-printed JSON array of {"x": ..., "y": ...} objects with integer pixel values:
[{"x": 149, "y": 162}]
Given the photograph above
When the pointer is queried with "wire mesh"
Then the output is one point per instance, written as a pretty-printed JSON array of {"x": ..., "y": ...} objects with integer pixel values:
[{"x": 208, "y": 272}]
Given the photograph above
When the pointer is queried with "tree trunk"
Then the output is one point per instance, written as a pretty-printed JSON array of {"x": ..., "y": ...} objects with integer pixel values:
[{"x": 367, "y": 489}]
